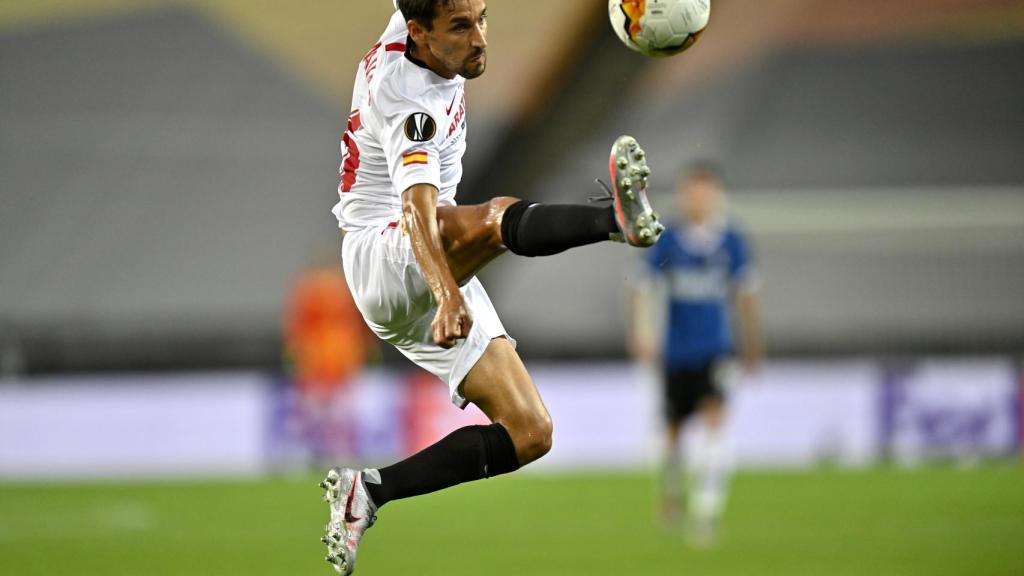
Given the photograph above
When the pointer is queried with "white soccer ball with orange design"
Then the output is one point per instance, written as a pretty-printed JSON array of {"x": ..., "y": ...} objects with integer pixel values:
[{"x": 659, "y": 27}]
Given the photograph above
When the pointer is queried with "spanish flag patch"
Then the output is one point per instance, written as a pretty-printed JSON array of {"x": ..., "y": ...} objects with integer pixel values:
[{"x": 414, "y": 158}]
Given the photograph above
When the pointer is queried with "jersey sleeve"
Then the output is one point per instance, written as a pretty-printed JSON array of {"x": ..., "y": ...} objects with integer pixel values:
[
  {"x": 411, "y": 139},
  {"x": 742, "y": 274}
]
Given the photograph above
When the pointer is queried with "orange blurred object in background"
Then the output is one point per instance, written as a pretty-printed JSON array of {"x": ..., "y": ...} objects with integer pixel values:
[{"x": 326, "y": 342}]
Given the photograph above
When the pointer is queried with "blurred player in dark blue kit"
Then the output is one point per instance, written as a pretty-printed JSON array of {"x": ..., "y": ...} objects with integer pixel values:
[{"x": 704, "y": 265}]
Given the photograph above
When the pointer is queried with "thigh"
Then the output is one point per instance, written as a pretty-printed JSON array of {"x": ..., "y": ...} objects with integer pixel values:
[
  {"x": 712, "y": 411},
  {"x": 472, "y": 235},
  {"x": 712, "y": 399},
  {"x": 683, "y": 390},
  {"x": 502, "y": 388},
  {"x": 385, "y": 281}
]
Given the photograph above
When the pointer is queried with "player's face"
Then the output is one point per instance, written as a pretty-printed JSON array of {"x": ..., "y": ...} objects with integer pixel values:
[
  {"x": 698, "y": 197},
  {"x": 458, "y": 41}
]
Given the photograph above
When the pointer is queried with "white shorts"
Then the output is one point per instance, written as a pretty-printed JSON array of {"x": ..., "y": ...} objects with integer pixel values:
[{"x": 390, "y": 291}]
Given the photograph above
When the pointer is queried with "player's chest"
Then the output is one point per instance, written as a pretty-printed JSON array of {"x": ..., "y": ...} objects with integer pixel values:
[
  {"x": 454, "y": 125},
  {"x": 705, "y": 259},
  {"x": 699, "y": 276}
]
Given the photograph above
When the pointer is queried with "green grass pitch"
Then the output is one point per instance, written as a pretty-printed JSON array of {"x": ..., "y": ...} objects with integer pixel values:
[{"x": 885, "y": 521}]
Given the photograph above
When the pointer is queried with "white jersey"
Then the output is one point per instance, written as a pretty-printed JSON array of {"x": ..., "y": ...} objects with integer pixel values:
[{"x": 407, "y": 127}]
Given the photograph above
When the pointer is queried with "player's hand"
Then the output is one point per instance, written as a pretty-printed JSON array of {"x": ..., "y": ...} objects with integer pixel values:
[
  {"x": 751, "y": 369},
  {"x": 452, "y": 321},
  {"x": 644, "y": 349},
  {"x": 751, "y": 365}
]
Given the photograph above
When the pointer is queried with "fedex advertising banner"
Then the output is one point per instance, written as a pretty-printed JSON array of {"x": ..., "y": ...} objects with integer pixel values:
[
  {"x": 606, "y": 416},
  {"x": 950, "y": 409}
]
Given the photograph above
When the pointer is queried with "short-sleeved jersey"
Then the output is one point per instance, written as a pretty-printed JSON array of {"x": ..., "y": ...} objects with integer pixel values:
[
  {"x": 407, "y": 127},
  {"x": 701, "y": 266}
]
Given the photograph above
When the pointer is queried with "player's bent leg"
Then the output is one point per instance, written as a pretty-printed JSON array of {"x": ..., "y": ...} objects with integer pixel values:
[
  {"x": 502, "y": 388},
  {"x": 520, "y": 433}
]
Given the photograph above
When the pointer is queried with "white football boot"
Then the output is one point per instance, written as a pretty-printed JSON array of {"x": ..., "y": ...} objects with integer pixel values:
[
  {"x": 352, "y": 512},
  {"x": 638, "y": 222}
]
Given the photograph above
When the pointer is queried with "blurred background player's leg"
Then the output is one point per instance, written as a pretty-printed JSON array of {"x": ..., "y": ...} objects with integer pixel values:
[
  {"x": 672, "y": 477},
  {"x": 710, "y": 473}
]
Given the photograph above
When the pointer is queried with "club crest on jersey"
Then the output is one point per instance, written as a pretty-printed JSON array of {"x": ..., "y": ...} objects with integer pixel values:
[{"x": 420, "y": 127}]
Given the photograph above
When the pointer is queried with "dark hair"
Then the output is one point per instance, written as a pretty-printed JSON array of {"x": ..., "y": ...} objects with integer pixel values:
[
  {"x": 422, "y": 11},
  {"x": 702, "y": 168}
]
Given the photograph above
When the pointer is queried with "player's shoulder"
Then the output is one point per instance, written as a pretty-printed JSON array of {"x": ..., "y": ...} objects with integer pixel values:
[
  {"x": 734, "y": 229},
  {"x": 669, "y": 239},
  {"x": 736, "y": 238},
  {"x": 404, "y": 84},
  {"x": 407, "y": 87},
  {"x": 673, "y": 229}
]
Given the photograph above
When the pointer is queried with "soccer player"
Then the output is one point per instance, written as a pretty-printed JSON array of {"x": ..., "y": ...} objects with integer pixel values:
[
  {"x": 704, "y": 264},
  {"x": 411, "y": 256}
]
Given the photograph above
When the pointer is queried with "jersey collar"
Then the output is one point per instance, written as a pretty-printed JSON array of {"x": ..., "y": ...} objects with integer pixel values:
[
  {"x": 408, "y": 54},
  {"x": 706, "y": 237}
]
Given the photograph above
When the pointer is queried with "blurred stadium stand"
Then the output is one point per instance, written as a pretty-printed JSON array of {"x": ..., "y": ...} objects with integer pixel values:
[
  {"x": 162, "y": 185},
  {"x": 166, "y": 170},
  {"x": 876, "y": 160}
]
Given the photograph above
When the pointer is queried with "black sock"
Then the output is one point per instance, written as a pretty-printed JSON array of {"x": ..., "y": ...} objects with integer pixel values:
[
  {"x": 530, "y": 229},
  {"x": 469, "y": 453}
]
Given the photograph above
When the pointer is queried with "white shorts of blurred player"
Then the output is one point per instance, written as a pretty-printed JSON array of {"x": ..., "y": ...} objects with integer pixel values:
[{"x": 390, "y": 291}]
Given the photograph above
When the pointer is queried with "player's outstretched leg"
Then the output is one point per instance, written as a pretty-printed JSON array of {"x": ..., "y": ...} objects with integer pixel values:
[
  {"x": 637, "y": 221},
  {"x": 475, "y": 235},
  {"x": 531, "y": 229}
]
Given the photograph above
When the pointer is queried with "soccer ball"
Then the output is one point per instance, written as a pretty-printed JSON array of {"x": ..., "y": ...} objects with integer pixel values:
[{"x": 659, "y": 27}]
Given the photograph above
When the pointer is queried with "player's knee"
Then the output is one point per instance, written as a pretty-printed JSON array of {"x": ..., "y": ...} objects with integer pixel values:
[
  {"x": 498, "y": 204},
  {"x": 712, "y": 413},
  {"x": 495, "y": 211},
  {"x": 533, "y": 436}
]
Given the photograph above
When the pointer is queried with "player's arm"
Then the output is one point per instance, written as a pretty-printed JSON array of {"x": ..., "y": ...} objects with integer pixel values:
[
  {"x": 419, "y": 220},
  {"x": 412, "y": 147},
  {"x": 748, "y": 306},
  {"x": 746, "y": 303},
  {"x": 640, "y": 333}
]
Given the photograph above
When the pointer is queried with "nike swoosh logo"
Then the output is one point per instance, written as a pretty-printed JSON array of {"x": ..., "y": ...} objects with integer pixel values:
[
  {"x": 348, "y": 505},
  {"x": 448, "y": 110}
]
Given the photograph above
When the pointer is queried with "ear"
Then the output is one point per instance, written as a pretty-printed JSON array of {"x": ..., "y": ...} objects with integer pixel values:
[{"x": 416, "y": 32}]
